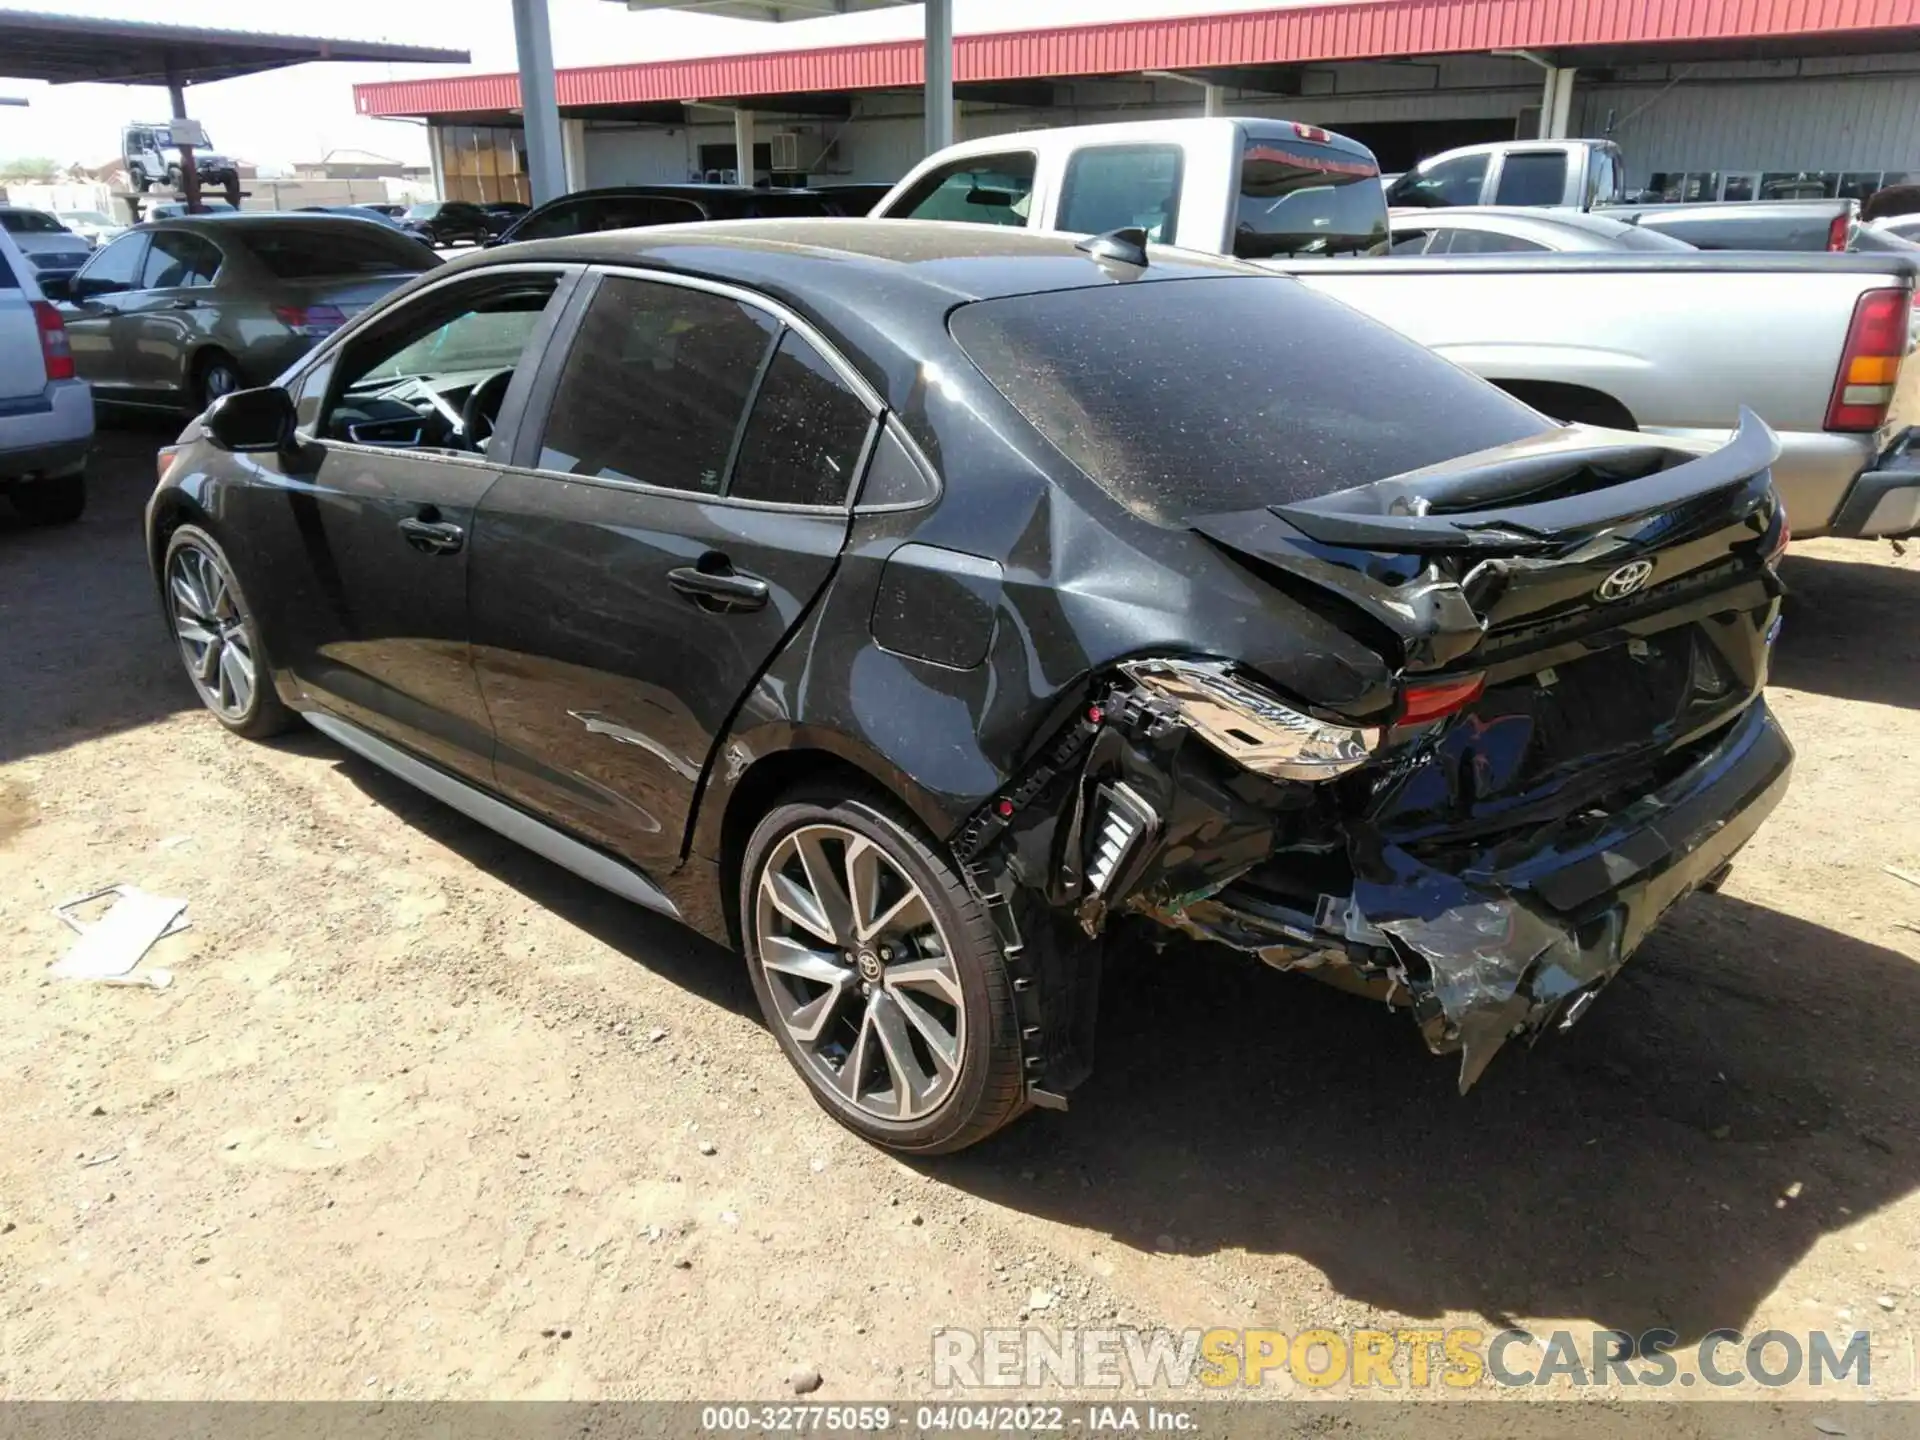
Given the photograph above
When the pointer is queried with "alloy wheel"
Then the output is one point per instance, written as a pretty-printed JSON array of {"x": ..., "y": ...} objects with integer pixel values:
[
  {"x": 860, "y": 972},
  {"x": 212, "y": 632},
  {"x": 219, "y": 380}
]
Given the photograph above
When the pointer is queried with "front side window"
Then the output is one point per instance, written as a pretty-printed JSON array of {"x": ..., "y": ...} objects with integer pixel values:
[
  {"x": 1307, "y": 199},
  {"x": 179, "y": 260},
  {"x": 654, "y": 386},
  {"x": 115, "y": 268},
  {"x": 804, "y": 438},
  {"x": 1111, "y": 187},
  {"x": 435, "y": 377},
  {"x": 983, "y": 189},
  {"x": 1458, "y": 181},
  {"x": 1251, "y": 391}
]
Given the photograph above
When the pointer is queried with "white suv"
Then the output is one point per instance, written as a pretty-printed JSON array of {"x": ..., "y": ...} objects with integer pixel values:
[{"x": 46, "y": 411}]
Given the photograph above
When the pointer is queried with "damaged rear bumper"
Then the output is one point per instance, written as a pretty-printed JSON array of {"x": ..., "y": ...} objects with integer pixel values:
[{"x": 1490, "y": 940}]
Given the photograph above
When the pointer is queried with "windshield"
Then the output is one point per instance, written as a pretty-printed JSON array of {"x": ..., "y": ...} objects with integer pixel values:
[
  {"x": 30, "y": 222},
  {"x": 422, "y": 212},
  {"x": 1183, "y": 398},
  {"x": 1300, "y": 198},
  {"x": 314, "y": 252}
]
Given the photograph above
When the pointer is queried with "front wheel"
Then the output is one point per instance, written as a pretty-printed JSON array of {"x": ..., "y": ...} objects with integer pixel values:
[
  {"x": 219, "y": 639},
  {"x": 880, "y": 974}
]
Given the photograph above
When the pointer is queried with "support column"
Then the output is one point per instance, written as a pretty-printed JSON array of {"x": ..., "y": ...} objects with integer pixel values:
[
  {"x": 573, "y": 146},
  {"x": 743, "y": 146},
  {"x": 538, "y": 107},
  {"x": 939, "y": 99},
  {"x": 1216, "y": 102},
  {"x": 189, "y": 172},
  {"x": 435, "y": 163},
  {"x": 1562, "y": 104}
]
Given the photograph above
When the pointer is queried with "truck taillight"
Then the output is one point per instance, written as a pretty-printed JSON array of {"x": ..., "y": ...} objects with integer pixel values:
[
  {"x": 1877, "y": 342},
  {"x": 1839, "y": 232},
  {"x": 54, "y": 347}
]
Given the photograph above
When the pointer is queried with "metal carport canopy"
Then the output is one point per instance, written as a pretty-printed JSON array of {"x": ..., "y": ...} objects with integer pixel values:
[{"x": 66, "y": 49}]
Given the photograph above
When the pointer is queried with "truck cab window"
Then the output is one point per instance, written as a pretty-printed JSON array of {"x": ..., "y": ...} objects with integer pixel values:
[
  {"x": 983, "y": 189},
  {"x": 1110, "y": 187},
  {"x": 1533, "y": 177}
]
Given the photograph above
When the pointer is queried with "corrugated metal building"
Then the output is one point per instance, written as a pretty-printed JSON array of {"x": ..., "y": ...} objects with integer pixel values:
[{"x": 1706, "y": 97}]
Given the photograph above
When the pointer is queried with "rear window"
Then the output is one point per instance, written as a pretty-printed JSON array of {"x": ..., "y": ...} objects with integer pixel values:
[
  {"x": 322, "y": 252},
  {"x": 1183, "y": 398},
  {"x": 1300, "y": 198}
]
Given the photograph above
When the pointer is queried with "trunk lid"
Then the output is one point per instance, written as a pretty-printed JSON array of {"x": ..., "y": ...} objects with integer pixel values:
[{"x": 1612, "y": 594}]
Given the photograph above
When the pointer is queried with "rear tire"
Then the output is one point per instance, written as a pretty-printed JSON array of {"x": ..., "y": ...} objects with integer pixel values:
[
  {"x": 904, "y": 1030},
  {"x": 58, "y": 501},
  {"x": 219, "y": 640},
  {"x": 214, "y": 375}
]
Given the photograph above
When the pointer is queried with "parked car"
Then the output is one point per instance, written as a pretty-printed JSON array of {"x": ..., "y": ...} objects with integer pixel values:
[
  {"x": 1810, "y": 225},
  {"x": 177, "y": 209},
  {"x": 1487, "y": 230},
  {"x": 915, "y": 692},
  {"x": 354, "y": 212},
  {"x": 93, "y": 226},
  {"x": 176, "y": 313},
  {"x": 49, "y": 246},
  {"x": 1673, "y": 343},
  {"x": 447, "y": 222},
  {"x": 1901, "y": 227},
  {"x": 46, "y": 413},
  {"x": 624, "y": 207},
  {"x": 853, "y": 197},
  {"x": 502, "y": 213}
]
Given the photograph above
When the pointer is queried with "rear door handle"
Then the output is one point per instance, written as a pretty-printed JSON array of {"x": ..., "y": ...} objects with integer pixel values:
[
  {"x": 722, "y": 590},
  {"x": 185, "y": 302},
  {"x": 433, "y": 537}
]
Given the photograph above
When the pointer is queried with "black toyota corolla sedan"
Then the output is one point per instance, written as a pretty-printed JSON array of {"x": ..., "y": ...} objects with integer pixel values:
[{"x": 913, "y": 606}]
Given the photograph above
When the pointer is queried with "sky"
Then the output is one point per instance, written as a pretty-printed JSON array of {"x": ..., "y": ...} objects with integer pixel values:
[{"x": 301, "y": 113}]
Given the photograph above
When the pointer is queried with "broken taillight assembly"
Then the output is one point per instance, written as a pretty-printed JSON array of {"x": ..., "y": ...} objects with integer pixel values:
[
  {"x": 1250, "y": 726},
  {"x": 1421, "y": 703}
]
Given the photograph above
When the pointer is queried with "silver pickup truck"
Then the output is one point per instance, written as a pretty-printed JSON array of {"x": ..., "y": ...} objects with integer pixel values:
[{"x": 1814, "y": 344}]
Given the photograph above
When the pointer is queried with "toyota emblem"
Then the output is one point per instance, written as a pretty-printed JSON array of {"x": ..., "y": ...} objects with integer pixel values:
[{"x": 1629, "y": 579}]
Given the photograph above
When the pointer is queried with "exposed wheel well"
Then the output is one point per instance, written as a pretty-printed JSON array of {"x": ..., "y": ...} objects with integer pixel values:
[
  {"x": 1574, "y": 404},
  {"x": 758, "y": 791}
]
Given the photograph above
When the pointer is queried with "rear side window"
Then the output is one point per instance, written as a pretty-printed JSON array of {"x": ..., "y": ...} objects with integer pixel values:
[
  {"x": 1307, "y": 199},
  {"x": 804, "y": 439},
  {"x": 316, "y": 252},
  {"x": 983, "y": 189},
  {"x": 1183, "y": 398},
  {"x": 178, "y": 260},
  {"x": 1109, "y": 187},
  {"x": 1533, "y": 177},
  {"x": 655, "y": 385}
]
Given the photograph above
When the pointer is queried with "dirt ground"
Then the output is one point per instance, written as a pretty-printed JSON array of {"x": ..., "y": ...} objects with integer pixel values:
[{"x": 423, "y": 1116}]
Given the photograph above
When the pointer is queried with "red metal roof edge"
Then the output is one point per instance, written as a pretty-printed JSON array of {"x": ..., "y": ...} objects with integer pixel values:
[{"x": 1353, "y": 30}]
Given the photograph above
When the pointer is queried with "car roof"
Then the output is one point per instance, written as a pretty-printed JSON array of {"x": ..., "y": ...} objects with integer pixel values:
[
  {"x": 231, "y": 220},
  {"x": 1196, "y": 131},
  {"x": 881, "y": 290},
  {"x": 1508, "y": 219},
  {"x": 691, "y": 190}
]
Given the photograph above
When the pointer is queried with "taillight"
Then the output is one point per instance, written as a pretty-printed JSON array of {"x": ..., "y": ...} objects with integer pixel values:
[
  {"x": 1420, "y": 703},
  {"x": 313, "y": 321},
  {"x": 54, "y": 347},
  {"x": 1877, "y": 341},
  {"x": 1839, "y": 232}
]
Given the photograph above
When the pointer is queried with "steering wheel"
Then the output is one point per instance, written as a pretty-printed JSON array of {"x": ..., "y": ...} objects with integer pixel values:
[{"x": 483, "y": 407}]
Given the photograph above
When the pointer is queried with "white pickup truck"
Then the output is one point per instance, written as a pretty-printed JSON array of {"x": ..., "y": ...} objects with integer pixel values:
[{"x": 1675, "y": 344}]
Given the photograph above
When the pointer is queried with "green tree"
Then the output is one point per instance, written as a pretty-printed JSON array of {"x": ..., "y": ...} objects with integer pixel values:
[{"x": 29, "y": 167}]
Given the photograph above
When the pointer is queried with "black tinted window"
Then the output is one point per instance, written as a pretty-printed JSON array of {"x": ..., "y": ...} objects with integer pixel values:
[
  {"x": 654, "y": 386},
  {"x": 179, "y": 259},
  {"x": 1109, "y": 187},
  {"x": 1193, "y": 397},
  {"x": 1307, "y": 199},
  {"x": 312, "y": 252},
  {"x": 804, "y": 440},
  {"x": 786, "y": 207},
  {"x": 1532, "y": 178},
  {"x": 984, "y": 189}
]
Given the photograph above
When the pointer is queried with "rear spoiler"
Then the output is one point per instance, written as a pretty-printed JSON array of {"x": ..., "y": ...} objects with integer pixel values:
[{"x": 1477, "y": 502}]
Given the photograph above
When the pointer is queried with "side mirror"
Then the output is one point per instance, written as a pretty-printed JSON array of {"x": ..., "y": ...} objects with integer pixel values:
[
  {"x": 58, "y": 288},
  {"x": 244, "y": 420}
]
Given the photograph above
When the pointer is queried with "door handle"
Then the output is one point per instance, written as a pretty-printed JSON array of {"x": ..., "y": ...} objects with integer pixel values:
[
  {"x": 185, "y": 302},
  {"x": 433, "y": 537},
  {"x": 720, "y": 589}
]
